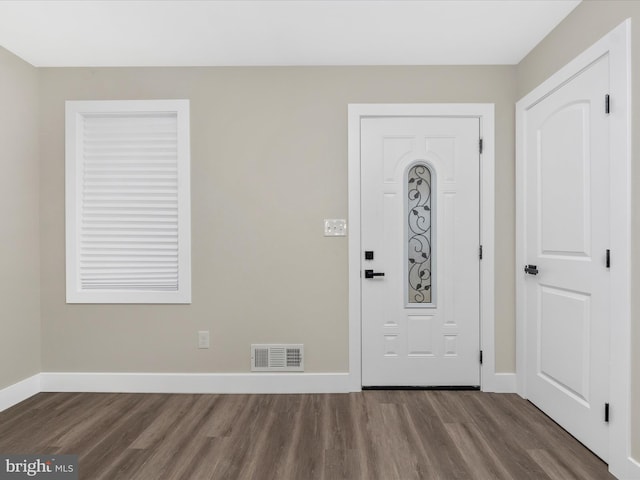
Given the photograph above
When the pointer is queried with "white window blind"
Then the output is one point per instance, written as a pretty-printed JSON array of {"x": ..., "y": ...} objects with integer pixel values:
[{"x": 128, "y": 226}]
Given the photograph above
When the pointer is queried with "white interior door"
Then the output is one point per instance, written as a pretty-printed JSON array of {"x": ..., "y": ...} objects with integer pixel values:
[
  {"x": 567, "y": 237},
  {"x": 420, "y": 228}
]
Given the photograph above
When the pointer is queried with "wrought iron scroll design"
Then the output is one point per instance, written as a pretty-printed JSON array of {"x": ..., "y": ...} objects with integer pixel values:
[{"x": 419, "y": 234}]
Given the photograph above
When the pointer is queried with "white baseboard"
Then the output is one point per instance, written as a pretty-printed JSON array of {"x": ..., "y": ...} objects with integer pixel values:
[
  {"x": 196, "y": 382},
  {"x": 201, "y": 383},
  {"x": 16, "y": 393},
  {"x": 630, "y": 470},
  {"x": 220, "y": 382},
  {"x": 501, "y": 383},
  {"x": 634, "y": 468}
]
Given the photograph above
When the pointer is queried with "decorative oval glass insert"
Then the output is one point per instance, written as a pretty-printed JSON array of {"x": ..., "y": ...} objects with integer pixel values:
[{"x": 419, "y": 233}]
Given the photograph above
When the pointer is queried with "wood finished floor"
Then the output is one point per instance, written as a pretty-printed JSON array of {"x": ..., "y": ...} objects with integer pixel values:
[{"x": 370, "y": 435}]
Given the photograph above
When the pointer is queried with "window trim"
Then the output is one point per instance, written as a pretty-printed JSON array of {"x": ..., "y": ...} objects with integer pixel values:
[{"x": 74, "y": 110}]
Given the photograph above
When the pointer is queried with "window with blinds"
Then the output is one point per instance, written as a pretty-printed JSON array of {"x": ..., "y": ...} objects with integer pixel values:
[{"x": 127, "y": 192}]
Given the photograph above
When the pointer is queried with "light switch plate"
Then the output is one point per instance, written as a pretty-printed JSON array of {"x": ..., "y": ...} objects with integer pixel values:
[{"x": 335, "y": 227}]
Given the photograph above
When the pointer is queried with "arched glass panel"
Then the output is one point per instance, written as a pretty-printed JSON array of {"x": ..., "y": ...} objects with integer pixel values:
[{"x": 419, "y": 234}]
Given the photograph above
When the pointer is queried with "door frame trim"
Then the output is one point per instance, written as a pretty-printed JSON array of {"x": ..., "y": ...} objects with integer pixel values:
[
  {"x": 489, "y": 381},
  {"x": 617, "y": 45}
]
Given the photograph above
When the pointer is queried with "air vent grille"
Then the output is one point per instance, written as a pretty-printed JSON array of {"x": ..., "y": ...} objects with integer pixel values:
[
  {"x": 261, "y": 357},
  {"x": 277, "y": 358},
  {"x": 294, "y": 357}
]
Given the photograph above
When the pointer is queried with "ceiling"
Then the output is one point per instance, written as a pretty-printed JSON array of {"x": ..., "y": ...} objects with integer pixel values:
[{"x": 292, "y": 32}]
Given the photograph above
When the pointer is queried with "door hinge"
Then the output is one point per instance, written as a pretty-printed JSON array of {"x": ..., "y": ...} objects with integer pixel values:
[
  {"x": 480, "y": 145},
  {"x": 480, "y": 357},
  {"x": 607, "y": 104},
  {"x": 606, "y": 412},
  {"x": 480, "y": 252},
  {"x": 608, "y": 258}
]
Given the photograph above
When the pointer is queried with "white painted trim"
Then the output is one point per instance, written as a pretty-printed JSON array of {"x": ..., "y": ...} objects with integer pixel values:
[
  {"x": 629, "y": 471},
  {"x": 355, "y": 287},
  {"x": 617, "y": 45},
  {"x": 195, "y": 382},
  {"x": 18, "y": 392},
  {"x": 483, "y": 111},
  {"x": 503, "y": 383},
  {"x": 490, "y": 380}
]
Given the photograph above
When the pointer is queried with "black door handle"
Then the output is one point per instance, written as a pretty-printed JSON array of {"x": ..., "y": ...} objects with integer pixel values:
[
  {"x": 371, "y": 274},
  {"x": 531, "y": 269}
]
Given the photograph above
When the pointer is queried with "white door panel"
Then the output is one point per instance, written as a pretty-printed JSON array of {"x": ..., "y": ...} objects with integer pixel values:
[
  {"x": 420, "y": 218},
  {"x": 567, "y": 236},
  {"x": 564, "y": 174}
]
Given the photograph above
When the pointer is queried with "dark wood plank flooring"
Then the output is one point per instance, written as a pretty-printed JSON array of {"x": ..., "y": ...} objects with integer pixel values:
[{"x": 371, "y": 435}]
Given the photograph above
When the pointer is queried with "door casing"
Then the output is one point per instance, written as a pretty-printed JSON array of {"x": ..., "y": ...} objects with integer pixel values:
[
  {"x": 489, "y": 380},
  {"x": 616, "y": 45}
]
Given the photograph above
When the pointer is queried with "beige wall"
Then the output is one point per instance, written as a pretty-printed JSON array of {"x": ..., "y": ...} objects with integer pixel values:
[
  {"x": 19, "y": 236},
  {"x": 269, "y": 162},
  {"x": 584, "y": 26}
]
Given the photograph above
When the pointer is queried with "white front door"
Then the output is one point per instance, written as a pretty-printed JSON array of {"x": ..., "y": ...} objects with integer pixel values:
[
  {"x": 420, "y": 228},
  {"x": 567, "y": 237}
]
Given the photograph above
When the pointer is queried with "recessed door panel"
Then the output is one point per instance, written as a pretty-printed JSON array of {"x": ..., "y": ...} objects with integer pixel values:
[
  {"x": 564, "y": 340},
  {"x": 420, "y": 333},
  {"x": 394, "y": 149},
  {"x": 443, "y": 148},
  {"x": 565, "y": 193}
]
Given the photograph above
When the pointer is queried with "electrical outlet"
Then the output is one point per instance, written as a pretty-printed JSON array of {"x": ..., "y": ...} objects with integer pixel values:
[{"x": 203, "y": 339}]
